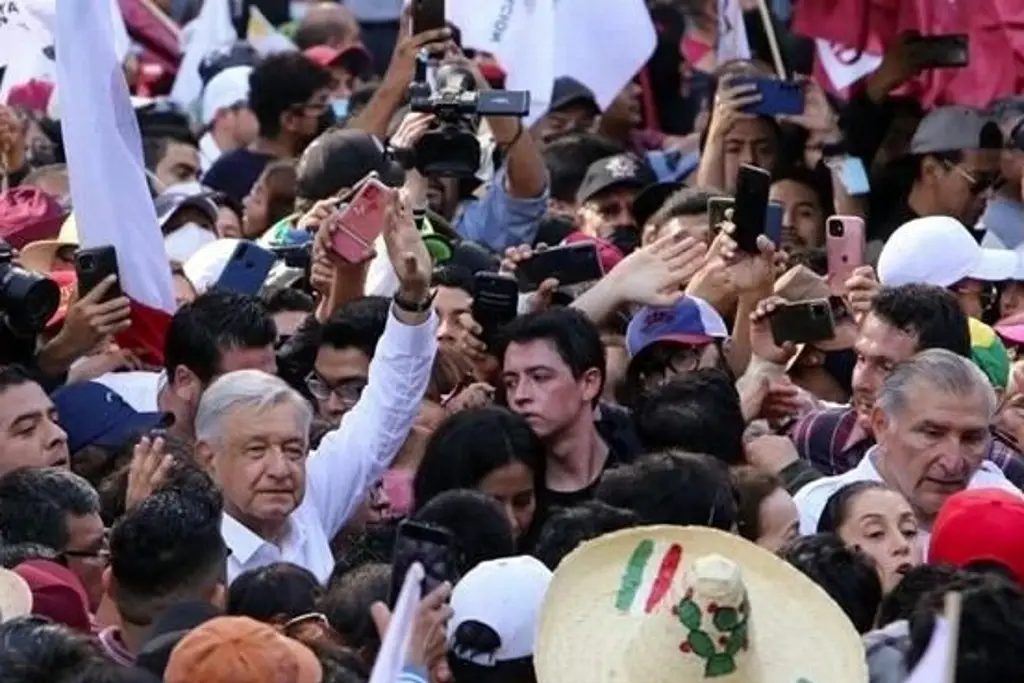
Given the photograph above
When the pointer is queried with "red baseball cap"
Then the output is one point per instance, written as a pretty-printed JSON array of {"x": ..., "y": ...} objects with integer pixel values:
[
  {"x": 355, "y": 57},
  {"x": 57, "y": 593},
  {"x": 980, "y": 525}
]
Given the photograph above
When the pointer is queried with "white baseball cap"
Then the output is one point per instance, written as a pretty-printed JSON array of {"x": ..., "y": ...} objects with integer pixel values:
[
  {"x": 227, "y": 89},
  {"x": 204, "y": 268},
  {"x": 939, "y": 250},
  {"x": 505, "y": 595}
]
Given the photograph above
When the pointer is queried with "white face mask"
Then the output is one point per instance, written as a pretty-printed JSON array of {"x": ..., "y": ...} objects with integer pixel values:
[
  {"x": 190, "y": 187},
  {"x": 186, "y": 241}
]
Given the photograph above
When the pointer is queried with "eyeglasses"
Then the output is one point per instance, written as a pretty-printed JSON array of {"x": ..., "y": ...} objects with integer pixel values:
[
  {"x": 102, "y": 555},
  {"x": 347, "y": 391},
  {"x": 978, "y": 181},
  {"x": 313, "y": 626}
]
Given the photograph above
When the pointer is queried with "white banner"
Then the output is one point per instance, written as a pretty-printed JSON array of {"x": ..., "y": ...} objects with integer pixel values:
[{"x": 732, "y": 32}]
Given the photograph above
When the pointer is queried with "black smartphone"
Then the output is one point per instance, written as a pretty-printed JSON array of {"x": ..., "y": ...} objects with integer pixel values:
[
  {"x": 495, "y": 304},
  {"x": 717, "y": 207},
  {"x": 427, "y": 15},
  {"x": 752, "y": 187},
  {"x": 570, "y": 264},
  {"x": 951, "y": 50},
  {"x": 803, "y": 322},
  {"x": 432, "y": 546},
  {"x": 247, "y": 269},
  {"x": 92, "y": 266}
]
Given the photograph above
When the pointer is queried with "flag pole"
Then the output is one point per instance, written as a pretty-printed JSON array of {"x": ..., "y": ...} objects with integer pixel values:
[
  {"x": 773, "y": 40},
  {"x": 953, "y": 604}
]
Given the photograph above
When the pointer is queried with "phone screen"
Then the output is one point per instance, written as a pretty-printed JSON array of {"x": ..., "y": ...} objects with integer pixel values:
[
  {"x": 432, "y": 546},
  {"x": 495, "y": 303},
  {"x": 751, "y": 208},
  {"x": 853, "y": 176}
]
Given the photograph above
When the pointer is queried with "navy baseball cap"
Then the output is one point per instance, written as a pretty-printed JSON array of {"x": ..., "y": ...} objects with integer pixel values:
[
  {"x": 93, "y": 415},
  {"x": 690, "y": 321}
]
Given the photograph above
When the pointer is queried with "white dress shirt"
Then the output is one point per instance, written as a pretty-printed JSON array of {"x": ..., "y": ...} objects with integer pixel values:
[
  {"x": 350, "y": 459},
  {"x": 811, "y": 499},
  {"x": 209, "y": 152}
]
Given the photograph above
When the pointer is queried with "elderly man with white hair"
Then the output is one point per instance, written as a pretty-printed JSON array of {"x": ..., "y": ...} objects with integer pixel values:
[
  {"x": 282, "y": 503},
  {"x": 931, "y": 421}
]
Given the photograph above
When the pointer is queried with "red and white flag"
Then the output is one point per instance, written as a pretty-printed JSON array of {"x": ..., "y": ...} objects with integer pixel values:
[{"x": 108, "y": 182}]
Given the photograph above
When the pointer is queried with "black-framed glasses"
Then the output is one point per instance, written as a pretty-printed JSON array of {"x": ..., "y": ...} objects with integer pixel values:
[{"x": 347, "y": 391}]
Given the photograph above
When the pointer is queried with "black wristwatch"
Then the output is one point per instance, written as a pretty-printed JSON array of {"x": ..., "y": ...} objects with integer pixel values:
[{"x": 415, "y": 306}]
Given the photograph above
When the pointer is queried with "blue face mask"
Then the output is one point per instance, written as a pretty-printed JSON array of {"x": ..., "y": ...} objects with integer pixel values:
[{"x": 340, "y": 107}]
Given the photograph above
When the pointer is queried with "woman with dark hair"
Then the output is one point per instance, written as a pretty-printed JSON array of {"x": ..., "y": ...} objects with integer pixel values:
[
  {"x": 869, "y": 516},
  {"x": 274, "y": 594},
  {"x": 491, "y": 450},
  {"x": 271, "y": 199},
  {"x": 766, "y": 514}
]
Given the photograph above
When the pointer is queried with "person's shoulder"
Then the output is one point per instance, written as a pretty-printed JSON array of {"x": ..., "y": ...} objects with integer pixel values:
[{"x": 821, "y": 489}]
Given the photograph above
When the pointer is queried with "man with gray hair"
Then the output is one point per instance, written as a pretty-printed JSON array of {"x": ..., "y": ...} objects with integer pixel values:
[
  {"x": 282, "y": 503},
  {"x": 931, "y": 423},
  {"x": 1003, "y": 220}
]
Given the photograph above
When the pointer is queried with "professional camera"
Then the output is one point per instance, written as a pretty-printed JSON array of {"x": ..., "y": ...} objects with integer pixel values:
[
  {"x": 27, "y": 300},
  {"x": 450, "y": 147}
]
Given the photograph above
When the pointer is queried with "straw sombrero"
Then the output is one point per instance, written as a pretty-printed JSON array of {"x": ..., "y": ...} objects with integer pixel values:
[
  {"x": 15, "y": 596},
  {"x": 666, "y": 604}
]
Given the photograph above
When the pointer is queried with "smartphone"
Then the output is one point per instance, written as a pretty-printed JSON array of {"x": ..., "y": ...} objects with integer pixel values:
[
  {"x": 427, "y": 15},
  {"x": 247, "y": 269},
  {"x": 571, "y": 264},
  {"x": 773, "y": 222},
  {"x": 358, "y": 223},
  {"x": 777, "y": 97},
  {"x": 717, "y": 207},
  {"x": 748, "y": 214},
  {"x": 803, "y": 322},
  {"x": 853, "y": 176},
  {"x": 495, "y": 304},
  {"x": 432, "y": 546},
  {"x": 844, "y": 246},
  {"x": 951, "y": 50},
  {"x": 92, "y": 266}
]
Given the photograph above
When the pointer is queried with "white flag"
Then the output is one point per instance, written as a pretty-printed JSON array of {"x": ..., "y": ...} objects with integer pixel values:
[
  {"x": 395, "y": 643},
  {"x": 601, "y": 43},
  {"x": 108, "y": 182},
  {"x": 843, "y": 65},
  {"x": 207, "y": 32},
  {"x": 940, "y": 657},
  {"x": 262, "y": 35},
  {"x": 732, "y": 32}
]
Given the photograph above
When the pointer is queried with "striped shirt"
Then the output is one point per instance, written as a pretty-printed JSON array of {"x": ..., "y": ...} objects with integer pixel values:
[{"x": 833, "y": 443}]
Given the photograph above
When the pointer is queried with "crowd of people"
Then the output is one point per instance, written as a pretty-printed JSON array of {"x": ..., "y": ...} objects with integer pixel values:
[{"x": 646, "y": 476}]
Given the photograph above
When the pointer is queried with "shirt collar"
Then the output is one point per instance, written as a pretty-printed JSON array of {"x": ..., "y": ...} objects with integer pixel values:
[
  {"x": 208, "y": 148},
  {"x": 244, "y": 543}
]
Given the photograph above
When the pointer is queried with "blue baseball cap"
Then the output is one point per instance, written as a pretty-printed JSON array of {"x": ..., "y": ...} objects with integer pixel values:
[
  {"x": 93, "y": 414},
  {"x": 690, "y": 321}
]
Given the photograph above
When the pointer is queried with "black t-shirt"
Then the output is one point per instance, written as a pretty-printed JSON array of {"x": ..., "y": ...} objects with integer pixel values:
[{"x": 235, "y": 172}]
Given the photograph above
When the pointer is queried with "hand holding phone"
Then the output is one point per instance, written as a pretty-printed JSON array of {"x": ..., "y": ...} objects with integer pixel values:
[
  {"x": 753, "y": 185},
  {"x": 777, "y": 97},
  {"x": 427, "y": 15},
  {"x": 802, "y": 322},
  {"x": 495, "y": 304},
  {"x": 433, "y": 547},
  {"x": 940, "y": 51},
  {"x": 844, "y": 247},
  {"x": 93, "y": 266},
  {"x": 355, "y": 226},
  {"x": 570, "y": 264}
]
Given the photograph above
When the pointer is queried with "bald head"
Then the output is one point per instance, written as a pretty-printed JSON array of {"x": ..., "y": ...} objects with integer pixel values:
[{"x": 327, "y": 23}]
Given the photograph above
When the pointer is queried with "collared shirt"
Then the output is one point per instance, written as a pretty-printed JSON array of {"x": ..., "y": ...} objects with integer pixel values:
[
  {"x": 209, "y": 152},
  {"x": 350, "y": 459},
  {"x": 498, "y": 220},
  {"x": 1003, "y": 223},
  {"x": 113, "y": 647},
  {"x": 811, "y": 499},
  {"x": 833, "y": 442}
]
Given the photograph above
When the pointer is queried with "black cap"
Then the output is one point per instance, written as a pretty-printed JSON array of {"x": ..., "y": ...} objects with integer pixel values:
[
  {"x": 651, "y": 199},
  {"x": 621, "y": 170},
  {"x": 567, "y": 91},
  {"x": 339, "y": 159}
]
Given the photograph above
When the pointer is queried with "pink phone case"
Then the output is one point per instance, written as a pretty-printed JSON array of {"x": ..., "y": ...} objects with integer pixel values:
[
  {"x": 844, "y": 247},
  {"x": 359, "y": 224}
]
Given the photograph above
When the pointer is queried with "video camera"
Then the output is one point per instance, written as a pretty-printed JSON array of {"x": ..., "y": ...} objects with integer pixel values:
[
  {"x": 450, "y": 148},
  {"x": 27, "y": 300}
]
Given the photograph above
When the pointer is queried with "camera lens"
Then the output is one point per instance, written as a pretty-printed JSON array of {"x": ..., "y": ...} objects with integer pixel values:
[
  {"x": 86, "y": 261},
  {"x": 28, "y": 299},
  {"x": 835, "y": 228}
]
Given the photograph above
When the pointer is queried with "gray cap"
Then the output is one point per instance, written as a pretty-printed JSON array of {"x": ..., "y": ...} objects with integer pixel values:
[
  {"x": 955, "y": 128},
  {"x": 567, "y": 91}
]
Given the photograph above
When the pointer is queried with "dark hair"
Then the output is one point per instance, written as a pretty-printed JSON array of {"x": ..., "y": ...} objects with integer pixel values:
[
  {"x": 214, "y": 322},
  {"x": 931, "y": 313},
  {"x": 471, "y": 444},
  {"x": 478, "y": 522},
  {"x": 567, "y": 528},
  {"x": 991, "y": 629},
  {"x": 357, "y": 324},
  {"x": 815, "y": 258},
  {"x": 13, "y": 555},
  {"x": 276, "y": 591},
  {"x": 225, "y": 201},
  {"x": 846, "y": 574},
  {"x": 753, "y": 486},
  {"x": 453, "y": 276},
  {"x": 113, "y": 488},
  {"x": 34, "y": 649},
  {"x": 166, "y": 550},
  {"x": 103, "y": 671},
  {"x": 321, "y": 29},
  {"x": 14, "y": 375},
  {"x": 154, "y": 147},
  {"x": 814, "y": 180},
  {"x": 35, "y": 504},
  {"x": 347, "y": 606},
  {"x": 689, "y": 201},
  {"x": 281, "y": 182},
  {"x": 696, "y": 411},
  {"x": 683, "y": 489},
  {"x": 281, "y": 82},
  {"x": 901, "y": 601},
  {"x": 837, "y": 507},
  {"x": 576, "y": 339},
  {"x": 287, "y": 300},
  {"x": 568, "y": 157}
]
